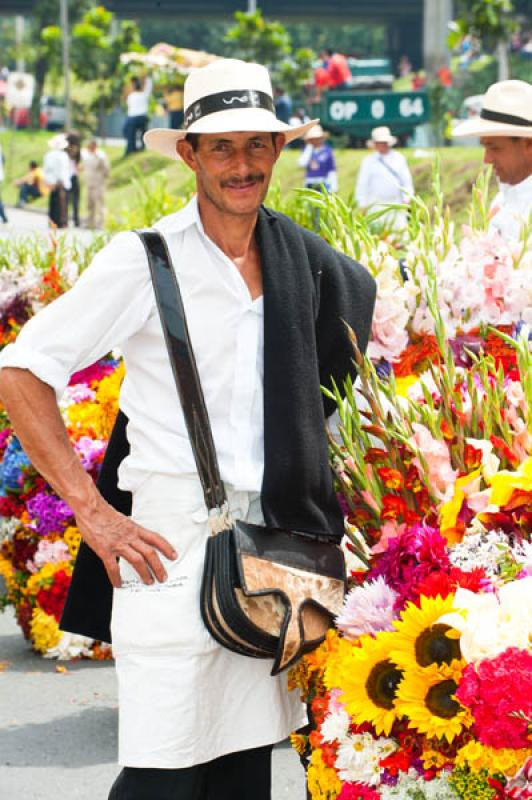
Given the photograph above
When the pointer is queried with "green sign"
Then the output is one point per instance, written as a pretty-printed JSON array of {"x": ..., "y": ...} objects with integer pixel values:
[{"x": 400, "y": 109}]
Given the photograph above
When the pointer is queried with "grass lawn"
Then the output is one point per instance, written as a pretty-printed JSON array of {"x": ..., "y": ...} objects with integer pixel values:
[{"x": 459, "y": 169}]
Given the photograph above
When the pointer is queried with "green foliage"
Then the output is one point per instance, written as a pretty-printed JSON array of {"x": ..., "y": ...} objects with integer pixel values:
[
  {"x": 149, "y": 201},
  {"x": 253, "y": 38},
  {"x": 490, "y": 20}
]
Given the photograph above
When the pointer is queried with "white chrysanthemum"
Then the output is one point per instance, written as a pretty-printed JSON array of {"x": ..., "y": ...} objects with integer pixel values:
[
  {"x": 368, "y": 609},
  {"x": 335, "y": 727},
  {"x": 359, "y": 756},
  {"x": 411, "y": 786},
  {"x": 70, "y": 646},
  {"x": 8, "y": 528}
]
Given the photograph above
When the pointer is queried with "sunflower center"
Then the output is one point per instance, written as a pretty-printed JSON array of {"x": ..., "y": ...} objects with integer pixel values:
[
  {"x": 434, "y": 646},
  {"x": 382, "y": 683},
  {"x": 439, "y": 700}
]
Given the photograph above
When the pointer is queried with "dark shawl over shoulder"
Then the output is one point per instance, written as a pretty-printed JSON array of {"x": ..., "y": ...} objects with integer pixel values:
[{"x": 309, "y": 289}]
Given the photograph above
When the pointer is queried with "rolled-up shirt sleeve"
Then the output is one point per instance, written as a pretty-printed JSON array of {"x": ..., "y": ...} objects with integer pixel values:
[{"x": 112, "y": 300}]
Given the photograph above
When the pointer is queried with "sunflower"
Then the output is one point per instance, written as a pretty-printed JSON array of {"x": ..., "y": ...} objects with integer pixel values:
[
  {"x": 426, "y": 698},
  {"x": 368, "y": 680},
  {"x": 421, "y": 640}
]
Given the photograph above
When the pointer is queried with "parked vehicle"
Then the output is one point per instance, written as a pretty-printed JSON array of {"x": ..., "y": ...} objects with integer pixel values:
[
  {"x": 371, "y": 102},
  {"x": 52, "y": 116}
]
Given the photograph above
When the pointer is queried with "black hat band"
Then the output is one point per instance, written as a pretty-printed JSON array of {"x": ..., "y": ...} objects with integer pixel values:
[
  {"x": 509, "y": 119},
  {"x": 227, "y": 101}
]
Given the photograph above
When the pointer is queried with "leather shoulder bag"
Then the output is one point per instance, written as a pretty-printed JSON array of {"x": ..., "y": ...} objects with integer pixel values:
[{"x": 266, "y": 593}]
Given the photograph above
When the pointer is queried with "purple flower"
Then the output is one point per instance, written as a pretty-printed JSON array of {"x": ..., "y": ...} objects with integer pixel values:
[
  {"x": 49, "y": 514},
  {"x": 368, "y": 609},
  {"x": 90, "y": 451}
]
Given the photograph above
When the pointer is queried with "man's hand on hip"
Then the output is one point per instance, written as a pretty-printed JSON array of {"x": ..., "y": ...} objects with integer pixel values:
[{"x": 112, "y": 536}]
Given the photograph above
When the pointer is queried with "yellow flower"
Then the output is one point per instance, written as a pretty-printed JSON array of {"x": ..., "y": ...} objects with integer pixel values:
[
  {"x": 426, "y": 698},
  {"x": 420, "y": 639},
  {"x": 504, "y": 483},
  {"x": 504, "y": 760},
  {"x": 404, "y": 384},
  {"x": 8, "y": 573},
  {"x": 45, "y": 575},
  {"x": 299, "y": 743},
  {"x": 450, "y": 510},
  {"x": 323, "y": 782},
  {"x": 368, "y": 680},
  {"x": 433, "y": 759},
  {"x": 309, "y": 669},
  {"x": 45, "y": 632},
  {"x": 72, "y": 538}
]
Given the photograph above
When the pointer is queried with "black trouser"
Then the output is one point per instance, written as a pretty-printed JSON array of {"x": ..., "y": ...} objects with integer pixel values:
[
  {"x": 73, "y": 199},
  {"x": 238, "y": 776},
  {"x": 57, "y": 206}
]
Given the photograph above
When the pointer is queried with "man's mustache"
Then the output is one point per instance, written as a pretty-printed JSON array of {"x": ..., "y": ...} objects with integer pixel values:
[{"x": 236, "y": 180}]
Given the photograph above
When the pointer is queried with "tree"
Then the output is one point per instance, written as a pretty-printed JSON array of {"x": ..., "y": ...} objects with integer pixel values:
[
  {"x": 253, "y": 38},
  {"x": 493, "y": 22},
  {"x": 97, "y": 43},
  {"x": 44, "y": 43}
]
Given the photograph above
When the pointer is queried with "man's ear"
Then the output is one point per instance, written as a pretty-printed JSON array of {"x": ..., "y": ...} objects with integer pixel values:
[{"x": 186, "y": 152}]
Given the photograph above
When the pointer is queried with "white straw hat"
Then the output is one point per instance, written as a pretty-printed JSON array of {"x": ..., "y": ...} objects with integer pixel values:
[
  {"x": 58, "y": 142},
  {"x": 381, "y": 135},
  {"x": 315, "y": 132},
  {"x": 506, "y": 111},
  {"x": 227, "y": 96}
]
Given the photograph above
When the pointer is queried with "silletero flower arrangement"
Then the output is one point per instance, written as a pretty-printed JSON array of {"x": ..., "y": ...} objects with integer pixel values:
[
  {"x": 38, "y": 537},
  {"x": 424, "y": 687}
]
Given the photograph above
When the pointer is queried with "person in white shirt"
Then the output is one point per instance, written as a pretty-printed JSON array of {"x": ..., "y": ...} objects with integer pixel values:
[
  {"x": 266, "y": 304},
  {"x": 3, "y": 215},
  {"x": 57, "y": 175},
  {"x": 384, "y": 178},
  {"x": 137, "y": 102},
  {"x": 96, "y": 170},
  {"x": 505, "y": 131}
]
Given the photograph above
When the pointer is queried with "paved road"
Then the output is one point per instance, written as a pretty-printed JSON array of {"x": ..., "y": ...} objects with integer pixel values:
[
  {"x": 23, "y": 221},
  {"x": 58, "y": 731}
]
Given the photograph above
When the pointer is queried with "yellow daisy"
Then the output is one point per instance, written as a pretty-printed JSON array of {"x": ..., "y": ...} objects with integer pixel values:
[
  {"x": 368, "y": 680},
  {"x": 426, "y": 698},
  {"x": 421, "y": 640}
]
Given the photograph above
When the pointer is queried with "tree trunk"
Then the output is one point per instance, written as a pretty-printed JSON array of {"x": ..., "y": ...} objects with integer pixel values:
[
  {"x": 503, "y": 61},
  {"x": 40, "y": 70}
]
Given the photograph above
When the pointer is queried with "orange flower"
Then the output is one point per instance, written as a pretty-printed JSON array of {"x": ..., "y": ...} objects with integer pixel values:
[{"x": 391, "y": 478}]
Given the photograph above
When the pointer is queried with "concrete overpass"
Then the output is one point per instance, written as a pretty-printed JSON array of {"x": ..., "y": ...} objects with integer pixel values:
[{"x": 415, "y": 27}]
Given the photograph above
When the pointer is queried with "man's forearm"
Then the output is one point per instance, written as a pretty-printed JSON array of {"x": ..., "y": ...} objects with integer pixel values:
[{"x": 37, "y": 421}]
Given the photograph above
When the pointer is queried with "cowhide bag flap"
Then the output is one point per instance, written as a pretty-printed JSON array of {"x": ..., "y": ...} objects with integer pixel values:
[{"x": 266, "y": 593}]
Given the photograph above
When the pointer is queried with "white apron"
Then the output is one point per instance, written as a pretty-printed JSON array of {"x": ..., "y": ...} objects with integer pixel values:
[{"x": 183, "y": 699}]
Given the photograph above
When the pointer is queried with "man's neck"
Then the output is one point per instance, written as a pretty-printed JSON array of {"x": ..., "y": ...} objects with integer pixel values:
[{"x": 231, "y": 233}]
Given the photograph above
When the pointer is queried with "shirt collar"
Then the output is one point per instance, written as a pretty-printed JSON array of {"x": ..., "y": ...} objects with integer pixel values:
[
  {"x": 523, "y": 189},
  {"x": 183, "y": 219}
]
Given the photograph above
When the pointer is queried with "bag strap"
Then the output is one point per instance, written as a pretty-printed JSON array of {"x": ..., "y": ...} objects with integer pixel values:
[{"x": 184, "y": 368}]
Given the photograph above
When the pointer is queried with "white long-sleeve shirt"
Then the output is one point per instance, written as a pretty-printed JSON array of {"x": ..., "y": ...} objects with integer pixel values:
[
  {"x": 383, "y": 178},
  {"x": 113, "y": 304},
  {"x": 511, "y": 208},
  {"x": 56, "y": 168}
]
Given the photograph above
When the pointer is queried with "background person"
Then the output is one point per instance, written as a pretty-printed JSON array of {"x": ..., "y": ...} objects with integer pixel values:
[
  {"x": 384, "y": 177},
  {"x": 173, "y": 101},
  {"x": 505, "y": 130},
  {"x": 318, "y": 160},
  {"x": 137, "y": 101},
  {"x": 57, "y": 171},
  {"x": 337, "y": 69},
  {"x": 96, "y": 170},
  {"x": 32, "y": 185},
  {"x": 74, "y": 193},
  {"x": 3, "y": 215}
]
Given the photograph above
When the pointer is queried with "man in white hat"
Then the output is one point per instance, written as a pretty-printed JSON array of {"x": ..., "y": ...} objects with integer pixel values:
[
  {"x": 57, "y": 175},
  {"x": 318, "y": 161},
  {"x": 505, "y": 131},
  {"x": 384, "y": 178},
  {"x": 266, "y": 304}
]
